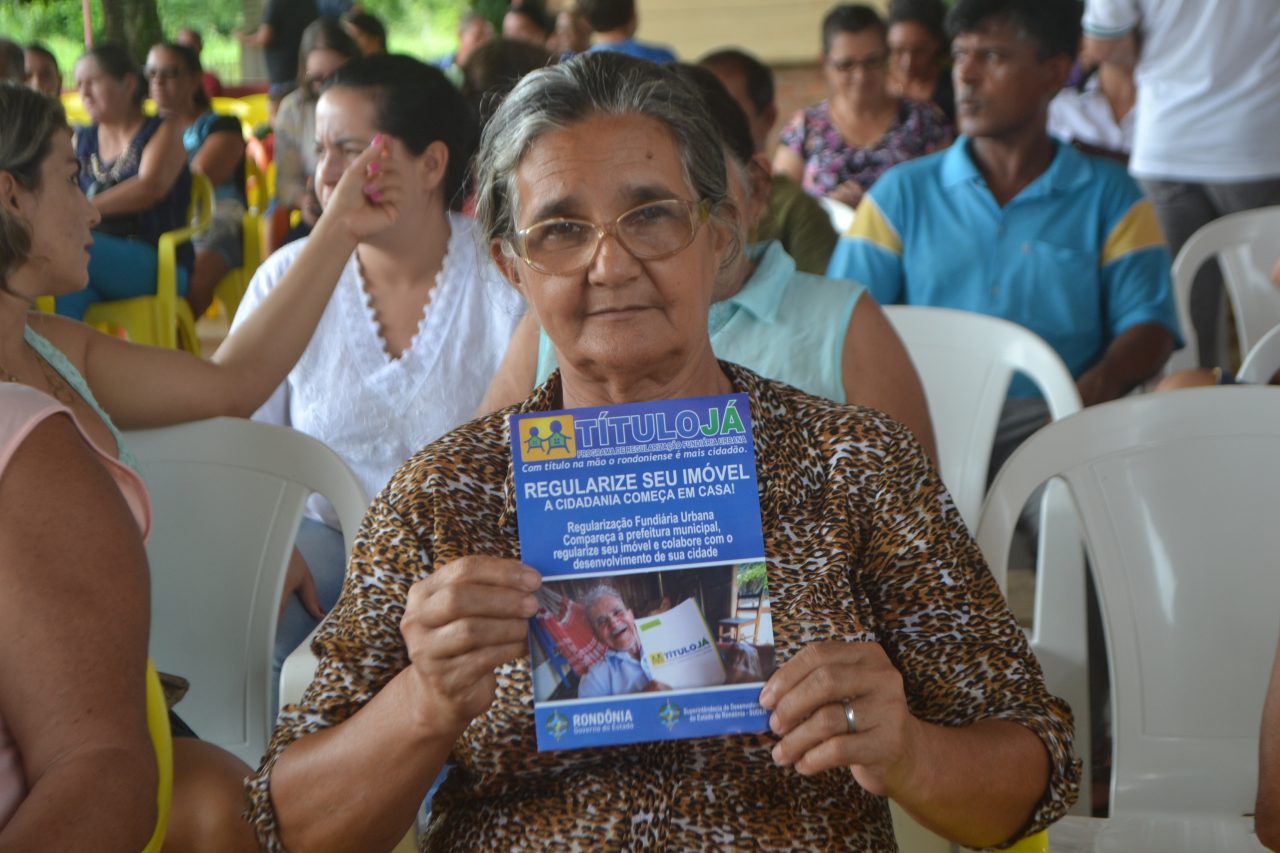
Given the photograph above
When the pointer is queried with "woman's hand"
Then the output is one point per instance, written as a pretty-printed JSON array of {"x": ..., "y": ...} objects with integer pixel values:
[
  {"x": 807, "y": 696},
  {"x": 850, "y": 192},
  {"x": 367, "y": 198},
  {"x": 459, "y": 624},
  {"x": 298, "y": 581}
]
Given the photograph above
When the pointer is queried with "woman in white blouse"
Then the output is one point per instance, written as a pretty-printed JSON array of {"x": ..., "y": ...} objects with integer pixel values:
[{"x": 419, "y": 318}]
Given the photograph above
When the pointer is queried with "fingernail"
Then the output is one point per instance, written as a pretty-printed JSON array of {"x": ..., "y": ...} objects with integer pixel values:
[
  {"x": 531, "y": 580},
  {"x": 766, "y": 698},
  {"x": 375, "y": 167},
  {"x": 775, "y": 725},
  {"x": 377, "y": 139},
  {"x": 775, "y": 753},
  {"x": 372, "y": 192},
  {"x": 529, "y": 605}
]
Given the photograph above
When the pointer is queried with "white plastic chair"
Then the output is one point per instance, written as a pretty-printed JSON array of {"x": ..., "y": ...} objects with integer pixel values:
[
  {"x": 1262, "y": 361},
  {"x": 227, "y": 496},
  {"x": 841, "y": 214},
  {"x": 965, "y": 361},
  {"x": 1246, "y": 245},
  {"x": 1176, "y": 496}
]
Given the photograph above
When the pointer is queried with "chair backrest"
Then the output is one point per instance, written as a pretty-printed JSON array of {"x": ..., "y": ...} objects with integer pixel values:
[
  {"x": 1263, "y": 360},
  {"x": 1246, "y": 245},
  {"x": 1176, "y": 498},
  {"x": 965, "y": 361},
  {"x": 841, "y": 214},
  {"x": 227, "y": 496}
]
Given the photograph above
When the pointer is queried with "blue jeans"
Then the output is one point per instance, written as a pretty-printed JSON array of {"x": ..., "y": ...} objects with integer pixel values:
[
  {"x": 118, "y": 269},
  {"x": 326, "y": 555}
]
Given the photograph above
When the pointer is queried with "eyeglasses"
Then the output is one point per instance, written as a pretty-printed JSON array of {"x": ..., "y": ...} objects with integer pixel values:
[
  {"x": 315, "y": 82},
  {"x": 650, "y": 232},
  {"x": 848, "y": 66},
  {"x": 170, "y": 73}
]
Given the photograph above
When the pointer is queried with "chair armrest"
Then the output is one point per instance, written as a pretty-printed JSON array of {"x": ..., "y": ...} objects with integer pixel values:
[{"x": 297, "y": 672}]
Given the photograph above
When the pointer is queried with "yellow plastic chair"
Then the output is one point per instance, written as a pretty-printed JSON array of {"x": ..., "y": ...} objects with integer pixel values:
[
  {"x": 914, "y": 838},
  {"x": 1038, "y": 843},
  {"x": 230, "y": 290},
  {"x": 162, "y": 741},
  {"x": 236, "y": 108},
  {"x": 165, "y": 319},
  {"x": 257, "y": 110},
  {"x": 74, "y": 108}
]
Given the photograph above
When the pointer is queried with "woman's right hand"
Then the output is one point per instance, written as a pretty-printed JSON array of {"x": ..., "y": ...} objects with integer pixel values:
[
  {"x": 459, "y": 625},
  {"x": 367, "y": 197}
]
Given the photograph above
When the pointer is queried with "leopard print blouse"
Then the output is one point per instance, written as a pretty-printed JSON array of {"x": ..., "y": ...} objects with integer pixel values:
[{"x": 863, "y": 543}]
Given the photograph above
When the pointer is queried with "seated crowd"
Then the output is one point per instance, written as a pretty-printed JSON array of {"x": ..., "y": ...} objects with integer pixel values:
[{"x": 417, "y": 306}]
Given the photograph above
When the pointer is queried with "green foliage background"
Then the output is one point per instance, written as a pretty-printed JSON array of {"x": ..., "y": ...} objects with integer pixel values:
[{"x": 422, "y": 28}]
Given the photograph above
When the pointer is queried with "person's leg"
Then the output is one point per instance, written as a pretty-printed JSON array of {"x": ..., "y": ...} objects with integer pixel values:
[
  {"x": 325, "y": 553},
  {"x": 1235, "y": 197},
  {"x": 208, "y": 800},
  {"x": 1182, "y": 209},
  {"x": 219, "y": 250},
  {"x": 118, "y": 269}
]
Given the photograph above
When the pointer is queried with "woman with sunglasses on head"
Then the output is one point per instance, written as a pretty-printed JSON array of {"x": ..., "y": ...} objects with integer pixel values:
[
  {"x": 837, "y": 148},
  {"x": 902, "y": 674},
  {"x": 134, "y": 170},
  {"x": 325, "y": 47},
  {"x": 105, "y": 384},
  {"x": 215, "y": 148},
  {"x": 419, "y": 316}
]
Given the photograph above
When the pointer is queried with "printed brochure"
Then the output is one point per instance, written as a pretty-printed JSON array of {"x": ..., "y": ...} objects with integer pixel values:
[{"x": 644, "y": 520}]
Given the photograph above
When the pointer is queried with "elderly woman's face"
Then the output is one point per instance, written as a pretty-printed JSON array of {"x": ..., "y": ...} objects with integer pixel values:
[{"x": 621, "y": 314}]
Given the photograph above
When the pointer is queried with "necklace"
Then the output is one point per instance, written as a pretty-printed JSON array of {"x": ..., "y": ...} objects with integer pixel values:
[{"x": 58, "y": 387}]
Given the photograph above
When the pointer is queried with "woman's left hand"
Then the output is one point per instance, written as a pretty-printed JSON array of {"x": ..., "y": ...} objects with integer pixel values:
[
  {"x": 808, "y": 697},
  {"x": 850, "y": 192}
]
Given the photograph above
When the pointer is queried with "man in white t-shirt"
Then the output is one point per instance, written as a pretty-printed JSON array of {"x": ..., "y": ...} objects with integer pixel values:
[{"x": 1208, "y": 116}]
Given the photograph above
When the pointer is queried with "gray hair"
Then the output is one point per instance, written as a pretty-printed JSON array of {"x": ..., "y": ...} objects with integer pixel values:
[
  {"x": 598, "y": 592},
  {"x": 601, "y": 83},
  {"x": 26, "y": 138}
]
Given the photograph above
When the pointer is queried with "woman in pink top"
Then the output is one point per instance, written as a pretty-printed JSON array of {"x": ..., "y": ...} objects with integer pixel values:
[
  {"x": 45, "y": 224},
  {"x": 77, "y": 769}
]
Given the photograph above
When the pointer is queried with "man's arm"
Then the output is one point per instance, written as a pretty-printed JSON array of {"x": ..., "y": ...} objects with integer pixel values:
[
  {"x": 1132, "y": 358},
  {"x": 1141, "y": 316},
  {"x": 871, "y": 254},
  {"x": 1122, "y": 50},
  {"x": 1110, "y": 31}
]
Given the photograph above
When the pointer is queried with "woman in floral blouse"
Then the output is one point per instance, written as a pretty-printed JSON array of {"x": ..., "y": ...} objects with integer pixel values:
[
  {"x": 839, "y": 147},
  {"x": 901, "y": 672}
]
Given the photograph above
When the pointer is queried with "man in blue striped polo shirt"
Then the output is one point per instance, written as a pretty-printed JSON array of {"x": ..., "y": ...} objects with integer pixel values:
[{"x": 1011, "y": 223}]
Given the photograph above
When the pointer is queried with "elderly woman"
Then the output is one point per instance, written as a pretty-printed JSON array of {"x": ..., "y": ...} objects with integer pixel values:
[
  {"x": 840, "y": 146},
  {"x": 880, "y": 598},
  {"x": 824, "y": 336}
]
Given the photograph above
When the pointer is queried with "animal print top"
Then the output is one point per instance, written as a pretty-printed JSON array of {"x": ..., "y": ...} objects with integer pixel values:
[{"x": 863, "y": 544}]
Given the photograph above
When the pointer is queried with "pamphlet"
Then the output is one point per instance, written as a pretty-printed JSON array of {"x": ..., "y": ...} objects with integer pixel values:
[{"x": 644, "y": 520}]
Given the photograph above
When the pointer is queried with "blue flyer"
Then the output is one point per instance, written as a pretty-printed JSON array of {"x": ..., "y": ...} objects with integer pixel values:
[{"x": 644, "y": 520}]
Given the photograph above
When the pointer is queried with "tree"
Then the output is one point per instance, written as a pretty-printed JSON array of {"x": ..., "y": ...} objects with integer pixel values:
[{"x": 133, "y": 23}]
